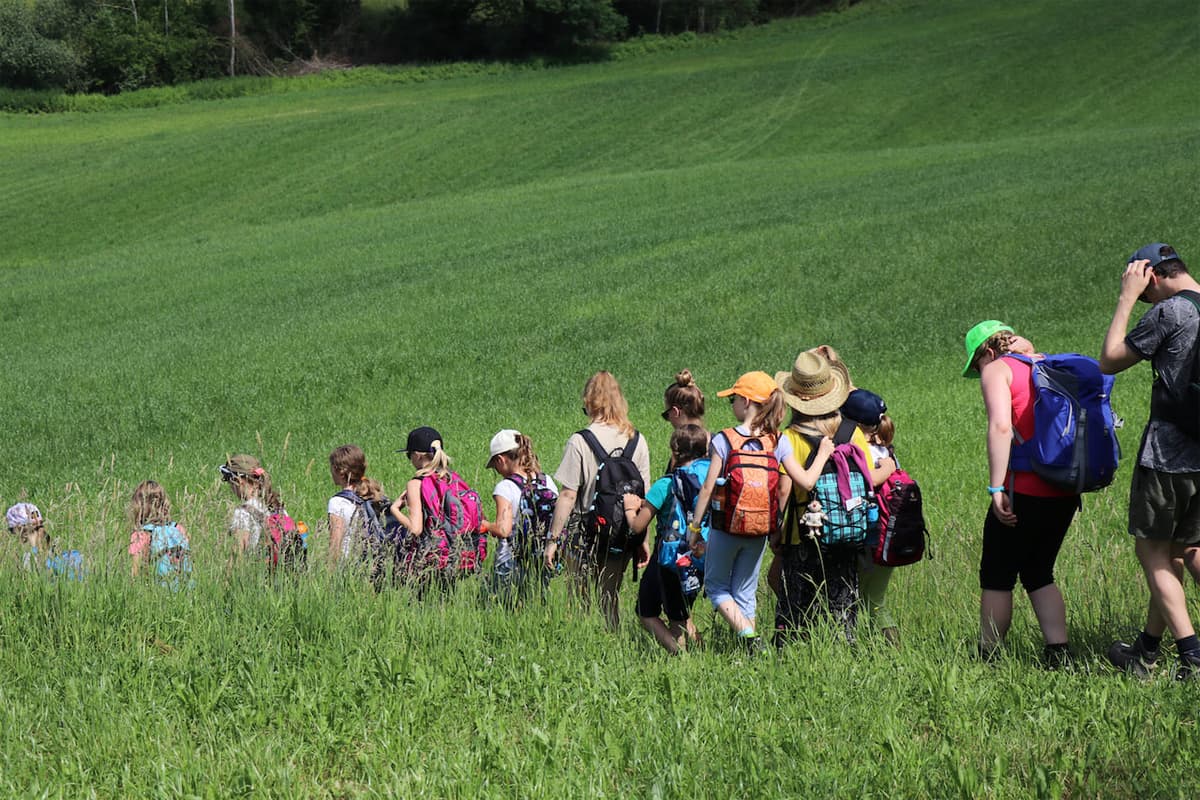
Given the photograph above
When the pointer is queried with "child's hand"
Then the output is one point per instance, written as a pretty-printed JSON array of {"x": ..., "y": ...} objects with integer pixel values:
[{"x": 825, "y": 448}]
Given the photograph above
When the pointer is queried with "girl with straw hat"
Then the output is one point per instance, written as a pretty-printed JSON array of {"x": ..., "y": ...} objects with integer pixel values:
[{"x": 814, "y": 575}]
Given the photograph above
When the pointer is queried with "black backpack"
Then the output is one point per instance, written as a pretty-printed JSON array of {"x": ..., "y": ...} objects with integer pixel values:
[
  {"x": 531, "y": 522},
  {"x": 604, "y": 520}
]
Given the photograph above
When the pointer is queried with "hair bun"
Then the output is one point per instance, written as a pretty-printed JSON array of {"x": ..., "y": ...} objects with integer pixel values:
[{"x": 684, "y": 378}]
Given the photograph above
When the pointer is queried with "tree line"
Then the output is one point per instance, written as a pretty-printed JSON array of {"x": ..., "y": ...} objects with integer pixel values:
[{"x": 112, "y": 46}]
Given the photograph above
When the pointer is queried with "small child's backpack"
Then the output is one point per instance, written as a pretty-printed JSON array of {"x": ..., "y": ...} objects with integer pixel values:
[
  {"x": 452, "y": 520},
  {"x": 604, "y": 520},
  {"x": 372, "y": 527},
  {"x": 171, "y": 554},
  {"x": 1074, "y": 444},
  {"x": 673, "y": 519},
  {"x": 843, "y": 489},
  {"x": 531, "y": 522},
  {"x": 902, "y": 530},
  {"x": 287, "y": 542},
  {"x": 745, "y": 501}
]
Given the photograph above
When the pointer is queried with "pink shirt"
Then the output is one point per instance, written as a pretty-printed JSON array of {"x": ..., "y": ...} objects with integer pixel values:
[{"x": 1022, "y": 421}]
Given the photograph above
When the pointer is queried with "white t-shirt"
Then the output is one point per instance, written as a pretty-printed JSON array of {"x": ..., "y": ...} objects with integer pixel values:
[
  {"x": 249, "y": 516},
  {"x": 512, "y": 493},
  {"x": 341, "y": 507}
]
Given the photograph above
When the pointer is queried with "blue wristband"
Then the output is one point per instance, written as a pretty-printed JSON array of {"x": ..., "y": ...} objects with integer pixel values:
[{"x": 995, "y": 489}]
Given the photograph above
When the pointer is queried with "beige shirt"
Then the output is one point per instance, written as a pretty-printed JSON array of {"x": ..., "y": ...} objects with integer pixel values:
[{"x": 579, "y": 467}]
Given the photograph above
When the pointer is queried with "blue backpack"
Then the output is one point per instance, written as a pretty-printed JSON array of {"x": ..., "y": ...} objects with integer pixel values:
[
  {"x": 1074, "y": 444},
  {"x": 673, "y": 520}
]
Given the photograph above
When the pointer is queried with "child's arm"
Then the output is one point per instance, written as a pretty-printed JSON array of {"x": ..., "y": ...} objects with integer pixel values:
[
  {"x": 716, "y": 462},
  {"x": 562, "y": 512},
  {"x": 882, "y": 471},
  {"x": 806, "y": 479},
  {"x": 502, "y": 527},
  {"x": 414, "y": 520},
  {"x": 784, "y": 492},
  {"x": 139, "y": 550}
]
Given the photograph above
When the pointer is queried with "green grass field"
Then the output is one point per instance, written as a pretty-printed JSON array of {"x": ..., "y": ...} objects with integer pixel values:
[{"x": 284, "y": 273}]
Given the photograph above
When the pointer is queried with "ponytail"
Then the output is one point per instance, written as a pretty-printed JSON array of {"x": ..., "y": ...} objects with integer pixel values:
[
  {"x": 769, "y": 416},
  {"x": 526, "y": 460},
  {"x": 438, "y": 464}
]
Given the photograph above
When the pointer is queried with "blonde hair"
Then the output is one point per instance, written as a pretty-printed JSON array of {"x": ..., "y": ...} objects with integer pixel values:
[
  {"x": 604, "y": 402},
  {"x": 997, "y": 345},
  {"x": 438, "y": 462},
  {"x": 250, "y": 468},
  {"x": 149, "y": 505},
  {"x": 685, "y": 395},
  {"x": 827, "y": 424},
  {"x": 769, "y": 415}
]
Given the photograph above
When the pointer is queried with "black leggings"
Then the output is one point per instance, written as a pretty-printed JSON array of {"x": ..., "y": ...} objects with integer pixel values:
[
  {"x": 1029, "y": 549},
  {"x": 816, "y": 580}
]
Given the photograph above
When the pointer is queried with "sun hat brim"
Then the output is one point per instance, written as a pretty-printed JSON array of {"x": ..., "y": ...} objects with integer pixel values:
[
  {"x": 975, "y": 339},
  {"x": 824, "y": 404}
]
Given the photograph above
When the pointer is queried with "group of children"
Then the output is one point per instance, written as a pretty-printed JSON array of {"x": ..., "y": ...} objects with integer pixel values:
[{"x": 708, "y": 534}]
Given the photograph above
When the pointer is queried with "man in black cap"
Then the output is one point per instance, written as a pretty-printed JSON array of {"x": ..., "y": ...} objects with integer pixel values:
[{"x": 1164, "y": 495}]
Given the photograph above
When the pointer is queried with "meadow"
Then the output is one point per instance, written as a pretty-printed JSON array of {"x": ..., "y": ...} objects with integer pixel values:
[{"x": 283, "y": 273}]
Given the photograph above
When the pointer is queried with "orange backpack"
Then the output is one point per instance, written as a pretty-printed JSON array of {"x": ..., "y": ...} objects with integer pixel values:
[{"x": 745, "y": 502}]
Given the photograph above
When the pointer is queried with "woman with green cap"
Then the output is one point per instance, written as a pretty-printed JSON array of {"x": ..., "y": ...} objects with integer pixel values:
[{"x": 1028, "y": 518}]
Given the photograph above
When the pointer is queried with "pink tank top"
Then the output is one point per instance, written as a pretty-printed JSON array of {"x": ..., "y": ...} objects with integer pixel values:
[{"x": 1022, "y": 422}]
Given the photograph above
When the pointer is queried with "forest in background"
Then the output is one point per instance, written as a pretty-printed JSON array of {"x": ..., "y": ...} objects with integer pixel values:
[{"x": 113, "y": 46}]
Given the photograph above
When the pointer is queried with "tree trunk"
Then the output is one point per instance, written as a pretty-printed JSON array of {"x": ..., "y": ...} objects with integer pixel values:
[
  {"x": 232, "y": 38},
  {"x": 133, "y": 5},
  {"x": 166, "y": 20},
  {"x": 658, "y": 18}
]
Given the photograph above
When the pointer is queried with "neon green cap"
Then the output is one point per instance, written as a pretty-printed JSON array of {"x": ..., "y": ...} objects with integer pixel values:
[{"x": 975, "y": 339}]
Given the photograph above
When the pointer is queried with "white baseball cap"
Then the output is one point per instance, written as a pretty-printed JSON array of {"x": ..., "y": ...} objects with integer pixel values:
[
  {"x": 23, "y": 514},
  {"x": 503, "y": 442}
]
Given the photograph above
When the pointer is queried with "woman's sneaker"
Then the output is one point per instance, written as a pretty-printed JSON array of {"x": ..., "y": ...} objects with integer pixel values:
[{"x": 1132, "y": 658}]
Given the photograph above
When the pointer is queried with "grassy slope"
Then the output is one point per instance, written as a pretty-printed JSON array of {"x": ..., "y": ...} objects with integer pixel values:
[{"x": 344, "y": 265}]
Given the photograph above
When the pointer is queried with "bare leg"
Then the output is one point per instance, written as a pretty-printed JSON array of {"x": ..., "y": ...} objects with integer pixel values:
[
  {"x": 1051, "y": 613},
  {"x": 609, "y": 585},
  {"x": 1166, "y": 587},
  {"x": 662, "y": 634},
  {"x": 995, "y": 617},
  {"x": 734, "y": 616}
]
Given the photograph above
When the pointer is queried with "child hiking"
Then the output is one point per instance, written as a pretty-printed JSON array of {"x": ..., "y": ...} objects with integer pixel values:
[
  {"x": 525, "y": 498},
  {"x": 740, "y": 490},
  {"x": 356, "y": 532},
  {"x": 683, "y": 405},
  {"x": 673, "y": 571},
  {"x": 26, "y": 523},
  {"x": 869, "y": 412},
  {"x": 829, "y": 504},
  {"x": 441, "y": 515},
  {"x": 600, "y": 465},
  {"x": 260, "y": 526},
  {"x": 158, "y": 542}
]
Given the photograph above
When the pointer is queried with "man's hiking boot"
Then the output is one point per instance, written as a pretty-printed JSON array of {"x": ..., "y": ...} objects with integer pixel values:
[
  {"x": 1189, "y": 668},
  {"x": 1057, "y": 657},
  {"x": 1133, "y": 659}
]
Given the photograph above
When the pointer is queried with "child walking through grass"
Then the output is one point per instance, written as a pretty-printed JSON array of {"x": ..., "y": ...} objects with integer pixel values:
[
  {"x": 525, "y": 498},
  {"x": 158, "y": 542}
]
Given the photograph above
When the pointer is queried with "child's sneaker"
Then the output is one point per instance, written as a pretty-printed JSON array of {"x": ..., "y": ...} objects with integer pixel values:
[
  {"x": 1056, "y": 657},
  {"x": 1189, "y": 668},
  {"x": 754, "y": 645},
  {"x": 1132, "y": 658}
]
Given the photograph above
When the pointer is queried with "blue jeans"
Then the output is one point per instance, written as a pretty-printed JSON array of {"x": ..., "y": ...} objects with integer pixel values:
[{"x": 731, "y": 569}]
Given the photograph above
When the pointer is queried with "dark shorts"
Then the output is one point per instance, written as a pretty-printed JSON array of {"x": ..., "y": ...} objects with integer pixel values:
[
  {"x": 1028, "y": 550},
  {"x": 660, "y": 591},
  {"x": 1165, "y": 506}
]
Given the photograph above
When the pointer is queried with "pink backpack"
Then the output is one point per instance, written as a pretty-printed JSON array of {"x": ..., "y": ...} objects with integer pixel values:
[
  {"x": 452, "y": 521},
  {"x": 902, "y": 529}
]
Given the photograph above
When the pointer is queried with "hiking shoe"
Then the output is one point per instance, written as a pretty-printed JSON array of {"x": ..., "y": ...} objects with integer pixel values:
[
  {"x": 1131, "y": 658},
  {"x": 754, "y": 645},
  {"x": 1056, "y": 657},
  {"x": 1189, "y": 668}
]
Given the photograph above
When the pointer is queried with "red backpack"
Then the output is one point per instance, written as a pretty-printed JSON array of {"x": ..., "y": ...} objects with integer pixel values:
[
  {"x": 902, "y": 529},
  {"x": 745, "y": 501}
]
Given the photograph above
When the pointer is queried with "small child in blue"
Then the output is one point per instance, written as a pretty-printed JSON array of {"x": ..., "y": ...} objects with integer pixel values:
[
  {"x": 157, "y": 541},
  {"x": 673, "y": 573},
  {"x": 26, "y": 523}
]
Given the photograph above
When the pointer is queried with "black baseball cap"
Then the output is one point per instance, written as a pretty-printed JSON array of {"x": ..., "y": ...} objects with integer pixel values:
[
  {"x": 420, "y": 440},
  {"x": 1156, "y": 253}
]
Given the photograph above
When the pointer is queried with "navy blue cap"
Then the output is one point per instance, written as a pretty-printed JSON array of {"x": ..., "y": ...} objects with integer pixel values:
[
  {"x": 864, "y": 407},
  {"x": 1156, "y": 253}
]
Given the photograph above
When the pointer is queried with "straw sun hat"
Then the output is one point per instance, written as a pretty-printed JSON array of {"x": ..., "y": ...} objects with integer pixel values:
[{"x": 815, "y": 386}]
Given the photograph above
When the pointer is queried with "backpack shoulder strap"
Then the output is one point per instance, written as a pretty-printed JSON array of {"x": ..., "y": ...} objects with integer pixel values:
[
  {"x": 845, "y": 431},
  {"x": 352, "y": 496},
  {"x": 594, "y": 444},
  {"x": 631, "y": 446},
  {"x": 517, "y": 479},
  {"x": 736, "y": 440}
]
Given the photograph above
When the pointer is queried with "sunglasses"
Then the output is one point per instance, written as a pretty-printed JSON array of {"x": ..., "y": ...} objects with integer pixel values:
[
  {"x": 227, "y": 474},
  {"x": 667, "y": 414}
]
